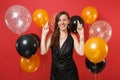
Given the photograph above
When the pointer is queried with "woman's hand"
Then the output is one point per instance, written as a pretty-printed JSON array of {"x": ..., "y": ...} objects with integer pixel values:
[
  {"x": 45, "y": 29},
  {"x": 44, "y": 42},
  {"x": 80, "y": 29}
]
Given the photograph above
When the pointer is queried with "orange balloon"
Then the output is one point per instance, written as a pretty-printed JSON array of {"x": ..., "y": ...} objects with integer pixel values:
[
  {"x": 30, "y": 65},
  {"x": 89, "y": 14},
  {"x": 96, "y": 49},
  {"x": 40, "y": 17}
]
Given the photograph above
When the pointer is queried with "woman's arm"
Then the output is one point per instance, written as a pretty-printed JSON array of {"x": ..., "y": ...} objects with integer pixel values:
[
  {"x": 45, "y": 42},
  {"x": 79, "y": 44}
]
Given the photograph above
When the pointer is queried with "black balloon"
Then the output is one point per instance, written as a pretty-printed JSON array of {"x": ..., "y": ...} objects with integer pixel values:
[
  {"x": 95, "y": 68},
  {"x": 36, "y": 38},
  {"x": 26, "y": 46},
  {"x": 73, "y": 23}
]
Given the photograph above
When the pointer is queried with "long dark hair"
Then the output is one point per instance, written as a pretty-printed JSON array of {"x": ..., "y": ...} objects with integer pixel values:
[{"x": 56, "y": 33}]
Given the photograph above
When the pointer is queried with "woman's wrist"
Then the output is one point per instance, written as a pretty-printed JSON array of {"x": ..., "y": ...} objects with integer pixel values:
[
  {"x": 82, "y": 37},
  {"x": 43, "y": 36}
]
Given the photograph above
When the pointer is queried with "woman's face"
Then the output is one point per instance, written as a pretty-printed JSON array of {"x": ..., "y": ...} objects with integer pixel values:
[{"x": 63, "y": 22}]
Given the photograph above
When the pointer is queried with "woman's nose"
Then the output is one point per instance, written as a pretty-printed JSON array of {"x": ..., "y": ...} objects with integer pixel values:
[{"x": 62, "y": 22}]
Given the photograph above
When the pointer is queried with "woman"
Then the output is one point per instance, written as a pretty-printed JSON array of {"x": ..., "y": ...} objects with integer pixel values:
[{"x": 62, "y": 43}]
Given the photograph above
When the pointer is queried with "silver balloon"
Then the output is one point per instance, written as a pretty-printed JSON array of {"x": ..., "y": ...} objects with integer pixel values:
[
  {"x": 101, "y": 29},
  {"x": 18, "y": 19}
]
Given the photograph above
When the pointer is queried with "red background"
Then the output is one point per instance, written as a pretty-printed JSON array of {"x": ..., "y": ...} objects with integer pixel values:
[{"x": 9, "y": 58}]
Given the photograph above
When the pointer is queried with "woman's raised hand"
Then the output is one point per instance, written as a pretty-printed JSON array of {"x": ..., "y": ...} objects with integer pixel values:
[
  {"x": 80, "y": 28},
  {"x": 45, "y": 29}
]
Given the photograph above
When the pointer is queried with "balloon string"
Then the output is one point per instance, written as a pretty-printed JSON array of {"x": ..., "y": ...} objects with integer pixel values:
[
  {"x": 96, "y": 73},
  {"x": 20, "y": 73},
  {"x": 95, "y": 76},
  {"x": 30, "y": 77}
]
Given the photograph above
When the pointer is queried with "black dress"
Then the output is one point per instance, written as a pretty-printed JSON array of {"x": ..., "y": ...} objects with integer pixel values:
[{"x": 63, "y": 66}]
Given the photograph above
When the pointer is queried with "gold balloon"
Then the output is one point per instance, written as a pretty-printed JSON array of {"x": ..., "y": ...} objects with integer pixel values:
[
  {"x": 30, "y": 65},
  {"x": 89, "y": 14},
  {"x": 96, "y": 49},
  {"x": 40, "y": 17}
]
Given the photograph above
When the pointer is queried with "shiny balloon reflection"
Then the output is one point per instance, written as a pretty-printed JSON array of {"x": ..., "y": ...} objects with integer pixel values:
[
  {"x": 30, "y": 65},
  {"x": 40, "y": 17},
  {"x": 26, "y": 45},
  {"x": 96, "y": 49},
  {"x": 95, "y": 68},
  {"x": 89, "y": 14},
  {"x": 18, "y": 19},
  {"x": 101, "y": 29}
]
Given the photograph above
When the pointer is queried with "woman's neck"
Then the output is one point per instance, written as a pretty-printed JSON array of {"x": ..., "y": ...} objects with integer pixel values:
[{"x": 63, "y": 34}]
